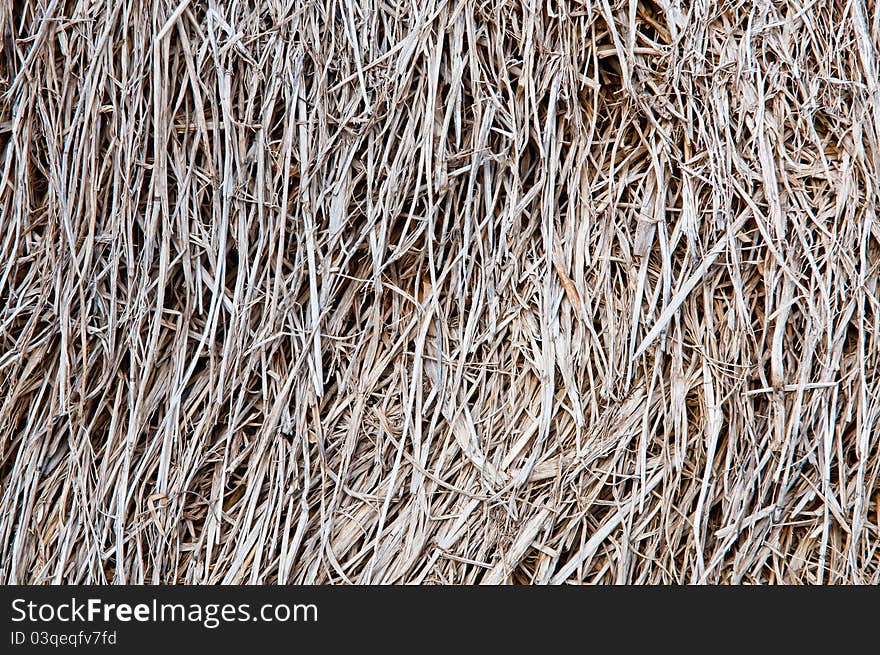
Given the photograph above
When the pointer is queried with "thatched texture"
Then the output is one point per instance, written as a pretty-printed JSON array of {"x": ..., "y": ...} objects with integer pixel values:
[{"x": 427, "y": 291}]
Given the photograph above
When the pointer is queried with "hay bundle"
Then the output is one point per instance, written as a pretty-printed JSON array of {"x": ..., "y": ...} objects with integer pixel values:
[{"x": 494, "y": 291}]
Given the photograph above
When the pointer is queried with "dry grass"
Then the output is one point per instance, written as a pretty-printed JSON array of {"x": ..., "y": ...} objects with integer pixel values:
[{"x": 426, "y": 291}]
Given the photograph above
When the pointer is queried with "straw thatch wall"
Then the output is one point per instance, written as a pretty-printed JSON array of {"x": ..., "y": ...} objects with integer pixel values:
[{"x": 435, "y": 291}]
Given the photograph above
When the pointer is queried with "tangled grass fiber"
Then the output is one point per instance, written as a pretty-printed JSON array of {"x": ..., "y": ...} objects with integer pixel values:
[{"x": 439, "y": 291}]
